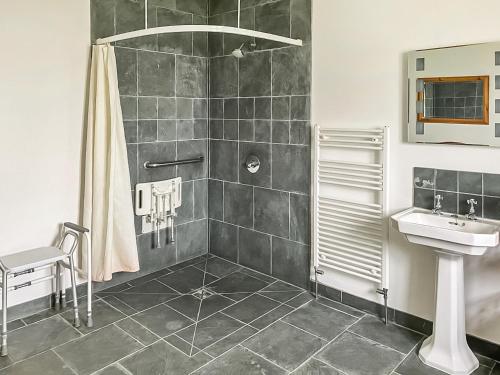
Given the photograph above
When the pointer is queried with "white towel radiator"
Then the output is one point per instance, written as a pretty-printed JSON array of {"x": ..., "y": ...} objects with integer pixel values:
[{"x": 349, "y": 204}]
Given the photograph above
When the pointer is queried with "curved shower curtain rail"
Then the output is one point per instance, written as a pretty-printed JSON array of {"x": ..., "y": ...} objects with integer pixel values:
[
  {"x": 200, "y": 28},
  {"x": 197, "y": 28}
]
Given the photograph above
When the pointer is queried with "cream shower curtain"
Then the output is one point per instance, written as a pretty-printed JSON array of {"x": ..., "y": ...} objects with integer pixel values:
[{"x": 107, "y": 210}]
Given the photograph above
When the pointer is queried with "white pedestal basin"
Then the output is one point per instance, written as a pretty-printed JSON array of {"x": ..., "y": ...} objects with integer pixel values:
[{"x": 452, "y": 238}]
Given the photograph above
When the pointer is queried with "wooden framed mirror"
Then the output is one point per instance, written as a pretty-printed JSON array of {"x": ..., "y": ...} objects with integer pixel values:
[{"x": 453, "y": 100}]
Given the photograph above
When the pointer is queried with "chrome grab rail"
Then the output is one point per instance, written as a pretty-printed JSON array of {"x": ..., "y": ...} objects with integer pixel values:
[{"x": 152, "y": 165}]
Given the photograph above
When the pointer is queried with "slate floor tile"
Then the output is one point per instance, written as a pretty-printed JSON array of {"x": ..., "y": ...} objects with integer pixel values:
[
  {"x": 301, "y": 299},
  {"x": 149, "y": 277},
  {"x": 230, "y": 341},
  {"x": 162, "y": 320},
  {"x": 271, "y": 316},
  {"x": 257, "y": 275},
  {"x": 97, "y": 349},
  {"x": 240, "y": 361},
  {"x": 46, "y": 363},
  {"x": 284, "y": 345},
  {"x": 38, "y": 337},
  {"x": 320, "y": 320},
  {"x": 189, "y": 305},
  {"x": 315, "y": 367},
  {"x": 187, "y": 279},
  {"x": 280, "y": 291},
  {"x": 218, "y": 267},
  {"x": 341, "y": 307},
  {"x": 119, "y": 305},
  {"x": 251, "y": 308},
  {"x": 393, "y": 336},
  {"x": 190, "y": 262},
  {"x": 103, "y": 314},
  {"x": 162, "y": 358},
  {"x": 112, "y": 370},
  {"x": 210, "y": 330},
  {"x": 238, "y": 282},
  {"x": 137, "y": 331},
  {"x": 186, "y": 347},
  {"x": 146, "y": 295},
  {"x": 353, "y": 354}
]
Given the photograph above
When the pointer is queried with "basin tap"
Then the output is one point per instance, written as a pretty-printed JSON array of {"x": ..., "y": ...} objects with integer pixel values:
[
  {"x": 437, "y": 205},
  {"x": 472, "y": 211}
]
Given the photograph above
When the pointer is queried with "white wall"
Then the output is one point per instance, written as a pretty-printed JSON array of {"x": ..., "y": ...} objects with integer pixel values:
[
  {"x": 359, "y": 80},
  {"x": 43, "y": 73}
]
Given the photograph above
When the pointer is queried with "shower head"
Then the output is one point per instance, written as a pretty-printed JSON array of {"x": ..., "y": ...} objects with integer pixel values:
[{"x": 246, "y": 47}]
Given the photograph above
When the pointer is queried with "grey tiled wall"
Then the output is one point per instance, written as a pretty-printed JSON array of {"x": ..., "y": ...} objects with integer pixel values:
[
  {"x": 164, "y": 97},
  {"x": 260, "y": 105},
  {"x": 171, "y": 84},
  {"x": 456, "y": 187}
]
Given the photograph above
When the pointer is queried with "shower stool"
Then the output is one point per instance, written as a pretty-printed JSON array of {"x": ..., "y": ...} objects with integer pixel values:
[{"x": 34, "y": 260}]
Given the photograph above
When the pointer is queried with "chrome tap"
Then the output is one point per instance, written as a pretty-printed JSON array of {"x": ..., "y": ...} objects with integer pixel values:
[
  {"x": 472, "y": 211},
  {"x": 437, "y": 204}
]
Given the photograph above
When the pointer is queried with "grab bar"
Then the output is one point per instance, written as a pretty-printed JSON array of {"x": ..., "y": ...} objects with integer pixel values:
[{"x": 151, "y": 165}]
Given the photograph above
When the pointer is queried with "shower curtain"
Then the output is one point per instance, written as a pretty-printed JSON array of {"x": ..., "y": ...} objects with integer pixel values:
[{"x": 107, "y": 207}]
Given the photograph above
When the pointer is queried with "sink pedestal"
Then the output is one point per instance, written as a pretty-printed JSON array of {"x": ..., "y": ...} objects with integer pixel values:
[{"x": 447, "y": 348}]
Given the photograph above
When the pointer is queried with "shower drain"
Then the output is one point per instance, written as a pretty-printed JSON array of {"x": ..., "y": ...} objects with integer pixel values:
[{"x": 203, "y": 293}]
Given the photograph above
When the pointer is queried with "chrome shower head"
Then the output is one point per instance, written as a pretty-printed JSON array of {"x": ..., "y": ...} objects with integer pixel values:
[{"x": 246, "y": 47}]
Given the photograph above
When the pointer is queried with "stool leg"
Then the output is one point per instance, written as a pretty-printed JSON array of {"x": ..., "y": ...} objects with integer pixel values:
[
  {"x": 57, "y": 304},
  {"x": 76, "y": 322},
  {"x": 62, "y": 284},
  {"x": 4, "y": 350}
]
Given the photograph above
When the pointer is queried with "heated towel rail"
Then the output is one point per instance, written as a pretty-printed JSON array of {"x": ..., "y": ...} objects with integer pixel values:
[{"x": 349, "y": 204}]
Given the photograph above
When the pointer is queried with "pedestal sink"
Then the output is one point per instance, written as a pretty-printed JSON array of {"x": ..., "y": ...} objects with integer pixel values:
[{"x": 452, "y": 238}]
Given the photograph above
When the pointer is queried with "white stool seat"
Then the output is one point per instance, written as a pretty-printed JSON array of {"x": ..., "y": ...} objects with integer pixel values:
[{"x": 32, "y": 258}]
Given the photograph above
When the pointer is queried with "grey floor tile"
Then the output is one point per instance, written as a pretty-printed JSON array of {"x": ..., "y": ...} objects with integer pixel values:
[
  {"x": 300, "y": 299},
  {"x": 281, "y": 291},
  {"x": 46, "y": 363},
  {"x": 162, "y": 358},
  {"x": 137, "y": 331},
  {"x": 114, "y": 289},
  {"x": 119, "y": 305},
  {"x": 284, "y": 345},
  {"x": 149, "y": 277},
  {"x": 40, "y": 336},
  {"x": 496, "y": 370},
  {"x": 186, "y": 347},
  {"x": 356, "y": 355},
  {"x": 102, "y": 313},
  {"x": 190, "y": 305},
  {"x": 257, "y": 275},
  {"x": 320, "y": 320},
  {"x": 210, "y": 330},
  {"x": 18, "y": 323},
  {"x": 187, "y": 279},
  {"x": 218, "y": 267},
  {"x": 162, "y": 320},
  {"x": 190, "y": 262},
  {"x": 97, "y": 350},
  {"x": 271, "y": 316},
  {"x": 238, "y": 282},
  {"x": 251, "y": 308},
  {"x": 240, "y": 361},
  {"x": 341, "y": 307},
  {"x": 390, "y": 335},
  {"x": 146, "y": 295},
  {"x": 112, "y": 370},
  {"x": 315, "y": 367},
  {"x": 230, "y": 341}
]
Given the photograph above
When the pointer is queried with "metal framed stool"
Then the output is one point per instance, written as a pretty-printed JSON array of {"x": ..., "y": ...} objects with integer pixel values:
[{"x": 30, "y": 261}]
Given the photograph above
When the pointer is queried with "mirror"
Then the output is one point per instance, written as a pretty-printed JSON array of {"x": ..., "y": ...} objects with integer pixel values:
[{"x": 450, "y": 96}]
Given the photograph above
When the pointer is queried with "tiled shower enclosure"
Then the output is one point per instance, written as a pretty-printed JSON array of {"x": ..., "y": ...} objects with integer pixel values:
[{"x": 184, "y": 95}]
